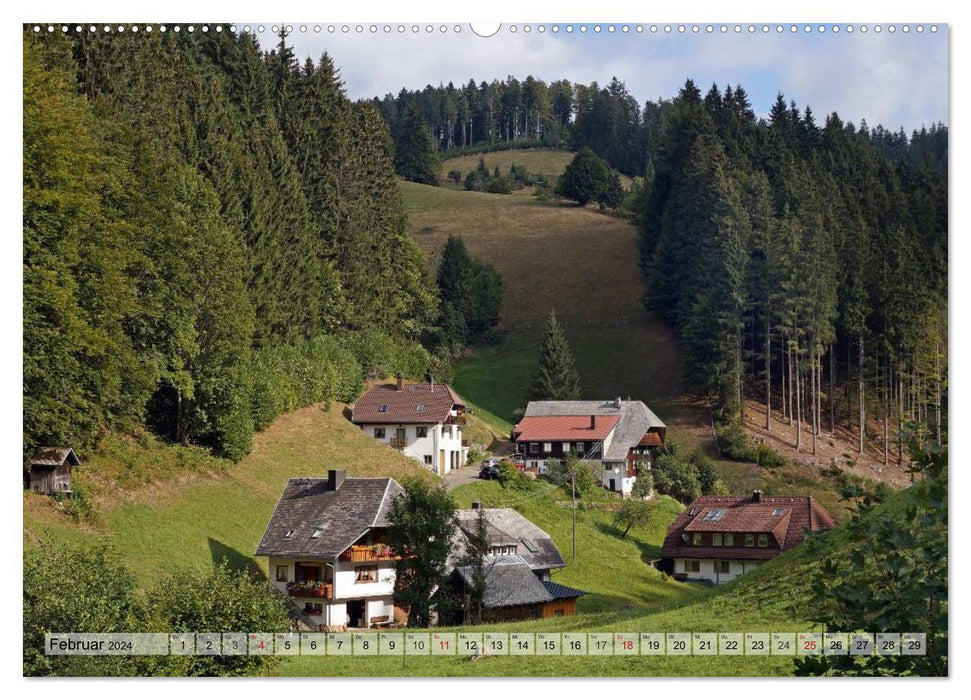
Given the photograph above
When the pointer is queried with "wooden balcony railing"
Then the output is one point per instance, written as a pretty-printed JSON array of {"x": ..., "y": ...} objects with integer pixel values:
[
  {"x": 310, "y": 589},
  {"x": 399, "y": 443},
  {"x": 359, "y": 553}
]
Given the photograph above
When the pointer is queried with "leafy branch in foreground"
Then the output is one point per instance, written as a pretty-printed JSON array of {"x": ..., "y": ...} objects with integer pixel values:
[{"x": 897, "y": 582}]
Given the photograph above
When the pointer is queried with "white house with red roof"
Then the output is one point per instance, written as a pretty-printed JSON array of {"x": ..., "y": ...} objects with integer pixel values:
[
  {"x": 424, "y": 421},
  {"x": 718, "y": 538},
  {"x": 619, "y": 435}
]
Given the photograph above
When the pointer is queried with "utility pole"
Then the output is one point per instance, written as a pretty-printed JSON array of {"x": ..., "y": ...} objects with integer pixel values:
[{"x": 573, "y": 482}]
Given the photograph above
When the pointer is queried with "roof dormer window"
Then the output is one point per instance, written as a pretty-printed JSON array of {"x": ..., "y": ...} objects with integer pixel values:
[
  {"x": 289, "y": 534},
  {"x": 316, "y": 534}
]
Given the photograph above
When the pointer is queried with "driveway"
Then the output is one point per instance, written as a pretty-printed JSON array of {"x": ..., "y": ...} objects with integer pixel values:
[{"x": 459, "y": 477}]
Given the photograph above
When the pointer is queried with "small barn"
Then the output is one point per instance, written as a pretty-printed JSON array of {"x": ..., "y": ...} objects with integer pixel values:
[{"x": 50, "y": 469}]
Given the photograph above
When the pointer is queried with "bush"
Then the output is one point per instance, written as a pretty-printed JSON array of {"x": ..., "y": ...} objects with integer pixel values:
[
  {"x": 221, "y": 600},
  {"x": 734, "y": 442},
  {"x": 455, "y": 176},
  {"x": 79, "y": 506},
  {"x": 79, "y": 588},
  {"x": 512, "y": 478},
  {"x": 765, "y": 456},
  {"x": 643, "y": 485},
  {"x": 676, "y": 478},
  {"x": 705, "y": 472}
]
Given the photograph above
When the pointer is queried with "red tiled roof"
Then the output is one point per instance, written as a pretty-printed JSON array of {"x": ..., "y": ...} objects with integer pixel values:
[
  {"x": 745, "y": 515},
  {"x": 563, "y": 428},
  {"x": 414, "y": 403}
]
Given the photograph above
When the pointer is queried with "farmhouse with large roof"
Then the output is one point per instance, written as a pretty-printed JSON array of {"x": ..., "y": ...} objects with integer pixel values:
[
  {"x": 717, "y": 538},
  {"x": 621, "y": 435},
  {"x": 424, "y": 421}
]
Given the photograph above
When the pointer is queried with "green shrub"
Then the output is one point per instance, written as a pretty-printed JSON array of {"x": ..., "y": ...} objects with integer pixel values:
[
  {"x": 676, "y": 478},
  {"x": 79, "y": 506},
  {"x": 734, "y": 442},
  {"x": 765, "y": 456},
  {"x": 220, "y": 600},
  {"x": 705, "y": 472},
  {"x": 79, "y": 588},
  {"x": 512, "y": 478}
]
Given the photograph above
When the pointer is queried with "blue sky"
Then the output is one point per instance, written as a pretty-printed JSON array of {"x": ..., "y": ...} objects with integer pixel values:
[{"x": 895, "y": 79}]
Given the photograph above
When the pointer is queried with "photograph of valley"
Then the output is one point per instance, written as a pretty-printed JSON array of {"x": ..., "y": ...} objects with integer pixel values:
[{"x": 554, "y": 350}]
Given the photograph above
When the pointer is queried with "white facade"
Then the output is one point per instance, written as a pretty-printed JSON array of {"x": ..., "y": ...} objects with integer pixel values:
[
  {"x": 438, "y": 447},
  {"x": 615, "y": 478},
  {"x": 713, "y": 570},
  {"x": 353, "y": 602}
]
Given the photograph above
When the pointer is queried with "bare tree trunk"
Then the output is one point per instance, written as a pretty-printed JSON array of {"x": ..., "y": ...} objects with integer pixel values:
[
  {"x": 768, "y": 375},
  {"x": 782, "y": 374},
  {"x": 900, "y": 418},
  {"x": 832, "y": 387},
  {"x": 789, "y": 353},
  {"x": 798, "y": 404},
  {"x": 862, "y": 399},
  {"x": 886, "y": 413},
  {"x": 813, "y": 393},
  {"x": 937, "y": 385}
]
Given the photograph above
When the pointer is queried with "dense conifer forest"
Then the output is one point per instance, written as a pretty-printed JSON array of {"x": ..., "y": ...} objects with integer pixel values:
[
  {"x": 213, "y": 234},
  {"x": 803, "y": 263}
]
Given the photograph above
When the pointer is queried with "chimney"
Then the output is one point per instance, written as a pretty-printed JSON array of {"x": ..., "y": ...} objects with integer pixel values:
[
  {"x": 431, "y": 384},
  {"x": 617, "y": 402},
  {"x": 593, "y": 422},
  {"x": 476, "y": 505},
  {"x": 335, "y": 477},
  {"x": 757, "y": 496},
  {"x": 401, "y": 382}
]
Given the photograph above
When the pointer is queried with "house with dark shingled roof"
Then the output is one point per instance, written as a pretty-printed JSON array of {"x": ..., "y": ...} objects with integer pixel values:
[
  {"x": 718, "y": 538},
  {"x": 326, "y": 549},
  {"x": 424, "y": 421}
]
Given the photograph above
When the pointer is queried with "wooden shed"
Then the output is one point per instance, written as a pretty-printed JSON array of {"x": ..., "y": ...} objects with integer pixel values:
[{"x": 50, "y": 469}]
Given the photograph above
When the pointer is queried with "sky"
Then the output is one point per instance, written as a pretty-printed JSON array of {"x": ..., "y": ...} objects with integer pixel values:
[{"x": 895, "y": 79}]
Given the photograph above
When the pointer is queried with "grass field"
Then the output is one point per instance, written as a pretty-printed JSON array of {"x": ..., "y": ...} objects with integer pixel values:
[
  {"x": 538, "y": 161},
  {"x": 199, "y": 516}
]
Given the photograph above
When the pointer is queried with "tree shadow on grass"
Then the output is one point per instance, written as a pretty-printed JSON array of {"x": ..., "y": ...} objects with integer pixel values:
[
  {"x": 235, "y": 560},
  {"x": 649, "y": 552}
]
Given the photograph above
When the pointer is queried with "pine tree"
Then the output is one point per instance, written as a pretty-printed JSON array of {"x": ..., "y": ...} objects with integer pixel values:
[
  {"x": 416, "y": 158},
  {"x": 556, "y": 378}
]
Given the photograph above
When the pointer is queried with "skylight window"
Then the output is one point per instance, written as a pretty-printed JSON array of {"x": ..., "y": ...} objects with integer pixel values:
[
  {"x": 714, "y": 515},
  {"x": 316, "y": 534},
  {"x": 289, "y": 533},
  {"x": 384, "y": 408},
  {"x": 778, "y": 511},
  {"x": 420, "y": 408}
]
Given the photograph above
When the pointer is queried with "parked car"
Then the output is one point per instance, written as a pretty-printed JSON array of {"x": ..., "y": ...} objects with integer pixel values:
[
  {"x": 489, "y": 472},
  {"x": 490, "y": 462}
]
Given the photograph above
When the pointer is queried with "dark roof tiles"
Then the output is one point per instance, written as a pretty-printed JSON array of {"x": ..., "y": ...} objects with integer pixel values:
[{"x": 339, "y": 518}]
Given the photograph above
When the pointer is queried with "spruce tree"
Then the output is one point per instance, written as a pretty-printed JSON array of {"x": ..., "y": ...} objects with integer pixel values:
[
  {"x": 556, "y": 378},
  {"x": 416, "y": 157}
]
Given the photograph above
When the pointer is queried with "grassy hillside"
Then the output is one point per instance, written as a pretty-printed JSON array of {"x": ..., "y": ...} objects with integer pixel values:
[
  {"x": 211, "y": 509},
  {"x": 545, "y": 161}
]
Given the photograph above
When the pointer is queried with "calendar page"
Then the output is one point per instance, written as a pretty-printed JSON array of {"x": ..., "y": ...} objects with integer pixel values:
[{"x": 449, "y": 349}]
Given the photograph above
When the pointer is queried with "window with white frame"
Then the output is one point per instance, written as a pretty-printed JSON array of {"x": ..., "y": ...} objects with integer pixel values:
[
  {"x": 421, "y": 431},
  {"x": 379, "y": 433},
  {"x": 692, "y": 566},
  {"x": 722, "y": 567}
]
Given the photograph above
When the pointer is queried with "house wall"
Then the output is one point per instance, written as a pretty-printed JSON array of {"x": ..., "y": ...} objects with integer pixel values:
[
  {"x": 440, "y": 437},
  {"x": 707, "y": 570},
  {"x": 378, "y": 596},
  {"x": 618, "y": 471},
  {"x": 50, "y": 479},
  {"x": 345, "y": 586}
]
